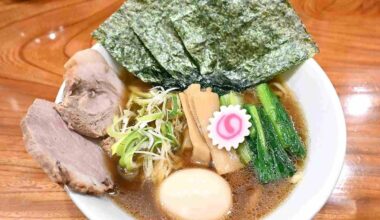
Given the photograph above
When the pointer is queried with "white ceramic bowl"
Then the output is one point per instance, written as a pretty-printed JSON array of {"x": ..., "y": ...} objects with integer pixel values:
[{"x": 326, "y": 149}]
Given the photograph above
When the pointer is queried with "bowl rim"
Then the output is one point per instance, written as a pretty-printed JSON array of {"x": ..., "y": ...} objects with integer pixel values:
[{"x": 311, "y": 208}]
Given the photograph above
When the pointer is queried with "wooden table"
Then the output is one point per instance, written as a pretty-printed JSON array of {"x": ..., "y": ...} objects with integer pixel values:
[{"x": 37, "y": 37}]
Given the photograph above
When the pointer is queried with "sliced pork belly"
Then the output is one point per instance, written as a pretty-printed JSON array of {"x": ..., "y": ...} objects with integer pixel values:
[
  {"x": 67, "y": 157},
  {"x": 92, "y": 94}
]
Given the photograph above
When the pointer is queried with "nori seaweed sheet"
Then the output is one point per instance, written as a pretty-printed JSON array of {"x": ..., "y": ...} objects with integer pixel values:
[
  {"x": 242, "y": 42},
  {"x": 119, "y": 39},
  {"x": 154, "y": 27},
  {"x": 226, "y": 45}
]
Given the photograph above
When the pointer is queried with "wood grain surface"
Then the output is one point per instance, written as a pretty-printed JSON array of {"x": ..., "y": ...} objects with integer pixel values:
[{"x": 38, "y": 36}]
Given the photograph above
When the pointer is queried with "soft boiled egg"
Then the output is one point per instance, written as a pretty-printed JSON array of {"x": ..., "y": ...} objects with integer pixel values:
[{"x": 195, "y": 193}]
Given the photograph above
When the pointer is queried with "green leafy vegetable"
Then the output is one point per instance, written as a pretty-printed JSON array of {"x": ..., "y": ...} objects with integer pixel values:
[
  {"x": 243, "y": 151},
  {"x": 281, "y": 121},
  {"x": 226, "y": 45},
  {"x": 271, "y": 161},
  {"x": 284, "y": 163},
  {"x": 231, "y": 98},
  {"x": 264, "y": 164}
]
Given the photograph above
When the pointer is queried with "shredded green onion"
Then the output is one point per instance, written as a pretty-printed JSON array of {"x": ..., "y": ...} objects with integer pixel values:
[
  {"x": 139, "y": 93},
  {"x": 151, "y": 117},
  {"x": 176, "y": 110},
  {"x": 147, "y": 132},
  {"x": 120, "y": 146}
]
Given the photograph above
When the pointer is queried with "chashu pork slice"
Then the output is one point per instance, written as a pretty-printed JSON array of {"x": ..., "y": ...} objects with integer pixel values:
[
  {"x": 92, "y": 94},
  {"x": 67, "y": 157}
]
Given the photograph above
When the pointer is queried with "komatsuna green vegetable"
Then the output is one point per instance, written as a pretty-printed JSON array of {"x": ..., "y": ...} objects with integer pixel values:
[
  {"x": 284, "y": 163},
  {"x": 281, "y": 121},
  {"x": 243, "y": 151},
  {"x": 264, "y": 163},
  {"x": 231, "y": 98},
  {"x": 271, "y": 161}
]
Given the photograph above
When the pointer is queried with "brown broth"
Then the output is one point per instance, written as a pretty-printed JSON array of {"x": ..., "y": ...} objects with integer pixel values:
[
  {"x": 251, "y": 200},
  {"x": 136, "y": 197}
]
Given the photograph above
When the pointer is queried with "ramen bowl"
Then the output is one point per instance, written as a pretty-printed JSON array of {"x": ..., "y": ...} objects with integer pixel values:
[{"x": 326, "y": 148}]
